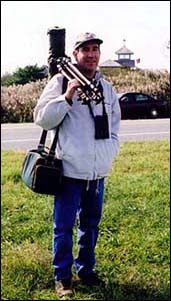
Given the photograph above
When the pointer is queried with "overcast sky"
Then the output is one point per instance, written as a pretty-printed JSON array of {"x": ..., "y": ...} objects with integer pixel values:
[{"x": 144, "y": 24}]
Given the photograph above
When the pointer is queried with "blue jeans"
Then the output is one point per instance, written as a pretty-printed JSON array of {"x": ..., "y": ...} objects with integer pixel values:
[{"x": 76, "y": 200}]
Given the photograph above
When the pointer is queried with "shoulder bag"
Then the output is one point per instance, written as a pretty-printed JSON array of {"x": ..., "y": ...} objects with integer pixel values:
[{"x": 41, "y": 170}]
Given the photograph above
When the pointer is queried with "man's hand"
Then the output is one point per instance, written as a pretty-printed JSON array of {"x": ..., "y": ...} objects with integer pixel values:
[{"x": 73, "y": 84}]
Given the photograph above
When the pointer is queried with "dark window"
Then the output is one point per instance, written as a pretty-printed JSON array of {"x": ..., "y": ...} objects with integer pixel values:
[{"x": 141, "y": 97}]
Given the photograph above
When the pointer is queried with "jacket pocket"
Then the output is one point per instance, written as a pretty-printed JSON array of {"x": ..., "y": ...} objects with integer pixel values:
[
  {"x": 104, "y": 156},
  {"x": 77, "y": 158}
]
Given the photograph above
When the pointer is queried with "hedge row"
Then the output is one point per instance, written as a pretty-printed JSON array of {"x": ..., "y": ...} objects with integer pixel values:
[{"x": 18, "y": 101}]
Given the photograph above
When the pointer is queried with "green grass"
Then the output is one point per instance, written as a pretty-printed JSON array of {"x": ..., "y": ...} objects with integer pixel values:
[{"x": 133, "y": 246}]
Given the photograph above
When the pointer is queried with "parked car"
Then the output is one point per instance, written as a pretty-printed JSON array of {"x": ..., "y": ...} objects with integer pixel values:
[{"x": 137, "y": 105}]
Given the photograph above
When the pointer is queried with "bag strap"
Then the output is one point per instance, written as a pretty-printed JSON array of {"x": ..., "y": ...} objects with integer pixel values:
[
  {"x": 44, "y": 132},
  {"x": 102, "y": 100},
  {"x": 42, "y": 140},
  {"x": 53, "y": 145}
]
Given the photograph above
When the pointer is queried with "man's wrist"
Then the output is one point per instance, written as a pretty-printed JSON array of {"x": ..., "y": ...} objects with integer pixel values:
[{"x": 69, "y": 101}]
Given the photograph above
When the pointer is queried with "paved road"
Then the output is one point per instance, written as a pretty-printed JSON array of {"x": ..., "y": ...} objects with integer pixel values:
[{"x": 26, "y": 135}]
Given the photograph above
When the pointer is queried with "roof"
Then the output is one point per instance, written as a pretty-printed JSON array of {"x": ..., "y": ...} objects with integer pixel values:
[
  {"x": 124, "y": 50},
  {"x": 110, "y": 63}
]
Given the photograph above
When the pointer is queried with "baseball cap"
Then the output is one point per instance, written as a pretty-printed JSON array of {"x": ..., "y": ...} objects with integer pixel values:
[{"x": 86, "y": 37}]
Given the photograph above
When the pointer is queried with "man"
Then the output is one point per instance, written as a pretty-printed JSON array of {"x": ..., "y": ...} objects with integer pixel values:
[{"x": 87, "y": 160}]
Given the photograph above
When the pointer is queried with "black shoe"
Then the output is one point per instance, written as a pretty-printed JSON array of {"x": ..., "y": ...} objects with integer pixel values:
[
  {"x": 64, "y": 287},
  {"x": 90, "y": 279}
]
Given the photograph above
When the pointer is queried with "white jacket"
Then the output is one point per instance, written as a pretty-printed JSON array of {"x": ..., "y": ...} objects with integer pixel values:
[{"x": 83, "y": 156}]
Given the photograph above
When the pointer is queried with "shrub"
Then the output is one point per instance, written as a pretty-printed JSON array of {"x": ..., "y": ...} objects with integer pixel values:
[
  {"x": 18, "y": 101},
  {"x": 30, "y": 73}
]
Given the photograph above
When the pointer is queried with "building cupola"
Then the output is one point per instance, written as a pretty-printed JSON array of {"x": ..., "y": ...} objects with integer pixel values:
[{"x": 124, "y": 56}]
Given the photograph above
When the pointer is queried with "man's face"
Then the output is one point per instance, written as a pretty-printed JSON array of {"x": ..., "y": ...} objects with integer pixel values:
[{"x": 87, "y": 56}]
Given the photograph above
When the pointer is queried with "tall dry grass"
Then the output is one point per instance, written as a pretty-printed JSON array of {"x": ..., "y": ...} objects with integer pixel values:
[{"x": 18, "y": 101}]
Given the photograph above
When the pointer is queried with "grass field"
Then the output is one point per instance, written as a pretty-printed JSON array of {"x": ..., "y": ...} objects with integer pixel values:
[{"x": 133, "y": 247}]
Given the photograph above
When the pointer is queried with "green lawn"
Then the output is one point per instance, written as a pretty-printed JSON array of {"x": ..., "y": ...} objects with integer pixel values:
[{"x": 133, "y": 247}]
